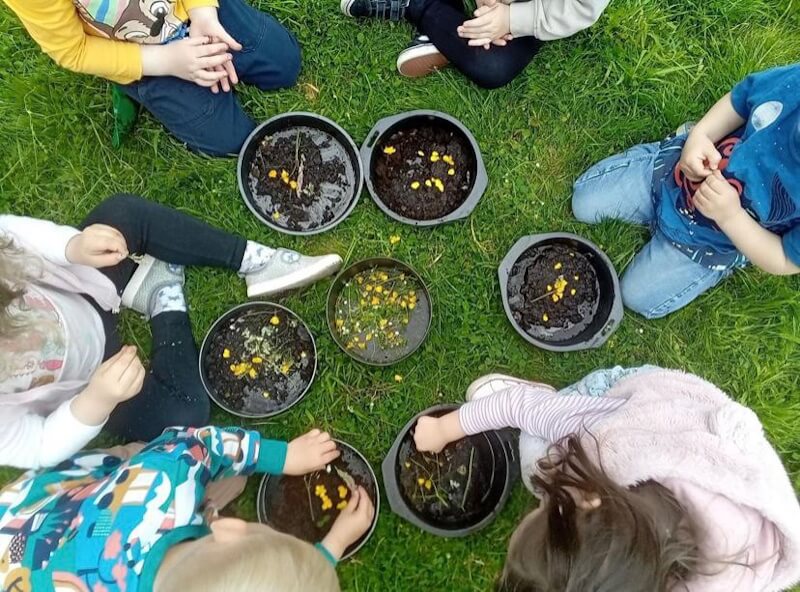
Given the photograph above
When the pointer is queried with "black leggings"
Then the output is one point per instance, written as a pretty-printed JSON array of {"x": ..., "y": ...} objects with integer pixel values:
[
  {"x": 492, "y": 68},
  {"x": 173, "y": 393}
]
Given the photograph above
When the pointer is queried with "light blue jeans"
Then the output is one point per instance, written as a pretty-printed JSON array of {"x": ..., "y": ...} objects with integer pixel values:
[{"x": 660, "y": 279}]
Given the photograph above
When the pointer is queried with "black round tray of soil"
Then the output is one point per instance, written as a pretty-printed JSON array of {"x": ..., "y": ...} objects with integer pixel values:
[
  {"x": 379, "y": 311},
  {"x": 424, "y": 168},
  {"x": 258, "y": 360},
  {"x": 307, "y": 506},
  {"x": 561, "y": 292},
  {"x": 300, "y": 173},
  {"x": 456, "y": 492}
]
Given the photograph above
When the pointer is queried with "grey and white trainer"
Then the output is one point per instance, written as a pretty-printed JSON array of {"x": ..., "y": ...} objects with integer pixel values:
[
  {"x": 288, "y": 270},
  {"x": 150, "y": 277}
]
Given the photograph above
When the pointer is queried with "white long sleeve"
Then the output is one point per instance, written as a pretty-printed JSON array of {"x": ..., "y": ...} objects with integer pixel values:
[
  {"x": 30, "y": 441},
  {"x": 554, "y": 19},
  {"x": 49, "y": 239}
]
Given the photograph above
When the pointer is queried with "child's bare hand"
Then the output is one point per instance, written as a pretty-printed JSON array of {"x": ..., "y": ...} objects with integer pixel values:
[
  {"x": 429, "y": 436},
  {"x": 717, "y": 199},
  {"x": 197, "y": 60},
  {"x": 351, "y": 524},
  {"x": 118, "y": 379},
  {"x": 492, "y": 22},
  {"x": 97, "y": 246},
  {"x": 700, "y": 157},
  {"x": 310, "y": 452},
  {"x": 205, "y": 23}
]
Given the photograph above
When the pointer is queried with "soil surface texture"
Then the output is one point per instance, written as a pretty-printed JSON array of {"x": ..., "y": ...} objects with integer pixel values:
[
  {"x": 307, "y": 506},
  {"x": 301, "y": 179},
  {"x": 553, "y": 292},
  {"x": 424, "y": 172},
  {"x": 259, "y": 361}
]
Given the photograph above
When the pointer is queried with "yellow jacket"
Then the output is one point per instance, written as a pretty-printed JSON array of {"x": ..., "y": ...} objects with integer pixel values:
[{"x": 102, "y": 37}]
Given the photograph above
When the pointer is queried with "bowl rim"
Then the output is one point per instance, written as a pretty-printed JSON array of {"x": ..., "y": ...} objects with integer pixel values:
[
  {"x": 478, "y": 187},
  {"x": 265, "y": 479},
  {"x": 350, "y": 145},
  {"x": 217, "y": 322},
  {"x": 615, "y": 315},
  {"x": 375, "y": 262}
]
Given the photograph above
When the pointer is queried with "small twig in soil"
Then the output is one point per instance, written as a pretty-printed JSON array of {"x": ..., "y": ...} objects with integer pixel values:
[
  {"x": 307, "y": 481},
  {"x": 469, "y": 478}
]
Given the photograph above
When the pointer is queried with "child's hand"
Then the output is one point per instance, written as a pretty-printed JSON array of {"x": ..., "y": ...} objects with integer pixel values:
[
  {"x": 351, "y": 524},
  {"x": 492, "y": 23},
  {"x": 205, "y": 23},
  {"x": 310, "y": 452},
  {"x": 97, "y": 246},
  {"x": 118, "y": 379},
  {"x": 717, "y": 199},
  {"x": 700, "y": 157},
  {"x": 195, "y": 59},
  {"x": 432, "y": 434}
]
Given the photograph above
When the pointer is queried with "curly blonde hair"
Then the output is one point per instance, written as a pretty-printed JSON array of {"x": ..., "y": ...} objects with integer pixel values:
[{"x": 16, "y": 270}]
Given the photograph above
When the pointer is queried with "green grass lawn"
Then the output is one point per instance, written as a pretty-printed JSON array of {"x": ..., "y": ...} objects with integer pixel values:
[{"x": 646, "y": 67}]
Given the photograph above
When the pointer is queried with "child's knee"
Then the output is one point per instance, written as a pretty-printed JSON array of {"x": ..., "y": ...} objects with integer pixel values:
[
  {"x": 638, "y": 296},
  {"x": 288, "y": 60},
  {"x": 585, "y": 203}
]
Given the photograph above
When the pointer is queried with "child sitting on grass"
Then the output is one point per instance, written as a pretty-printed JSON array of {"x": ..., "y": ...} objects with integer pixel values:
[
  {"x": 726, "y": 194},
  {"x": 650, "y": 480},
  {"x": 178, "y": 58},
  {"x": 63, "y": 370},
  {"x": 103, "y": 522},
  {"x": 490, "y": 49}
]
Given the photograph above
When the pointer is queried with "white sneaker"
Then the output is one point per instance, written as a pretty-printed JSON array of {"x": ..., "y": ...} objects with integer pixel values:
[
  {"x": 420, "y": 58},
  {"x": 149, "y": 278},
  {"x": 494, "y": 383},
  {"x": 288, "y": 270}
]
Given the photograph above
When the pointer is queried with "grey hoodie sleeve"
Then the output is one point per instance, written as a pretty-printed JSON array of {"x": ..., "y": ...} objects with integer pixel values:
[{"x": 554, "y": 19}]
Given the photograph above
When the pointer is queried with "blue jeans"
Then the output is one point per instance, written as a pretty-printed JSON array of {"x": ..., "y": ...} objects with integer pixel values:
[
  {"x": 661, "y": 279},
  {"x": 216, "y": 124}
]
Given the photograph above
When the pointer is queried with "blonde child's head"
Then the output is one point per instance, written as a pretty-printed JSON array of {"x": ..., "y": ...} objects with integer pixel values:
[
  {"x": 15, "y": 271},
  {"x": 240, "y": 556},
  {"x": 589, "y": 533}
]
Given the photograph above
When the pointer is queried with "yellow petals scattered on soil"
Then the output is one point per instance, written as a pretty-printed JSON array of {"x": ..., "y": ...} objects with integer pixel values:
[
  {"x": 253, "y": 373},
  {"x": 434, "y": 156},
  {"x": 420, "y": 153},
  {"x": 421, "y": 481},
  {"x": 286, "y": 367},
  {"x": 428, "y": 484},
  {"x": 415, "y": 185},
  {"x": 273, "y": 174},
  {"x": 341, "y": 505},
  {"x": 389, "y": 150},
  {"x": 276, "y": 215},
  {"x": 275, "y": 320},
  {"x": 545, "y": 318},
  {"x": 439, "y": 185},
  {"x": 557, "y": 266},
  {"x": 258, "y": 360},
  {"x": 226, "y": 353},
  {"x": 293, "y": 184},
  {"x": 428, "y": 183},
  {"x": 451, "y": 172},
  {"x": 449, "y": 160},
  {"x": 342, "y": 491},
  {"x": 573, "y": 292}
]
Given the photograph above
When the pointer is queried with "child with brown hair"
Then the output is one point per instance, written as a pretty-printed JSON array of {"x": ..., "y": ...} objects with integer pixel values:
[
  {"x": 64, "y": 374},
  {"x": 108, "y": 521},
  {"x": 649, "y": 480}
]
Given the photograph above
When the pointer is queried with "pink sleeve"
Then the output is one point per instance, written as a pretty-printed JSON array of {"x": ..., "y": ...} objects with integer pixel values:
[{"x": 537, "y": 412}]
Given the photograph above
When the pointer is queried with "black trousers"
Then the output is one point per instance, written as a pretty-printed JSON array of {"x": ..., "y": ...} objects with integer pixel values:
[
  {"x": 173, "y": 393},
  {"x": 493, "y": 68}
]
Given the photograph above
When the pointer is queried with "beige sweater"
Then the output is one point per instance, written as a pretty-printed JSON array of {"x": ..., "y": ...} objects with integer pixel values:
[{"x": 553, "y": 19}]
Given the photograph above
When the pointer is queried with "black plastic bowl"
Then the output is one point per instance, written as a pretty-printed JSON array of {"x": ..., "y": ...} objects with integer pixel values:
[
  {"x": 416, "y": 332},
  {"x": 235, "y": 312},
  {"x": 609, "y": 312},
  {"x": 388, "y": 126},
  {"x": 286, "y": 121},
  {"x": 269, "y": 484},
  {"x": 502, "y": 448}
]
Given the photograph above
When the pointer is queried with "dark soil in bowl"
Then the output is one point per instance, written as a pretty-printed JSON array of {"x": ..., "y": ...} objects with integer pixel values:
[
  {"x": 553, "y": 292},
  {"x": 259, "y": 361},
  {"x": 307, "y": 506},
  {"x": 301, "y": 178},
  {"x": 450, "y": 488},
  {"x": 425, "y": 172},
  {"x": 381, "y": 313}
]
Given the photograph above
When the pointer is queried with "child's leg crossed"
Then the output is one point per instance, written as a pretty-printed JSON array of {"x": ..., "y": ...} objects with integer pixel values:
[{"x": 619, "y": 187}]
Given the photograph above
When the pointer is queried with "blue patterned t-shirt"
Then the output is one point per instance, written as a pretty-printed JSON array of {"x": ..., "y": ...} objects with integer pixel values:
[{"x": 761, "y": 160}]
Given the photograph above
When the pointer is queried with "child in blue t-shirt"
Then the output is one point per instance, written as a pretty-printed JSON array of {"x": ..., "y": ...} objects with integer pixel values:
[
  {"x": 726, "y": 194},
  {"x": 134, "y": 521}
]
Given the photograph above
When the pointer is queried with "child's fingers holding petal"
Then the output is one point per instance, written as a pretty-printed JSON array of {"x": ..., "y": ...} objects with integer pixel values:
[{"x": 329, "y": 457}]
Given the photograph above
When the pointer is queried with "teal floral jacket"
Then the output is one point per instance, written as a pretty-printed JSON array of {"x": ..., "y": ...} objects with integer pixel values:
[{"x": 98, "y": 523}]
